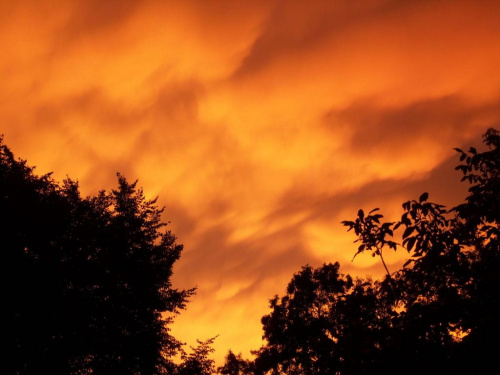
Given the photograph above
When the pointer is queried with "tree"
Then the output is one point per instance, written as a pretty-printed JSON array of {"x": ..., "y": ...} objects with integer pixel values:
[
  {"x": 437, "y": 314},
  {"x": 33, "y": 217},
  {"x": 198, "y": 361},
  {"x": 326, "y": 323},
  {"x": 89, "y": 279},
  {"x": 234, "y": 365},
  {"x": 448, "y": 289}
]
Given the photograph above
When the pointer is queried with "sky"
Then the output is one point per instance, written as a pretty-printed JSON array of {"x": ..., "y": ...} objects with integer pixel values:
[{"x": 261, "y": 125}]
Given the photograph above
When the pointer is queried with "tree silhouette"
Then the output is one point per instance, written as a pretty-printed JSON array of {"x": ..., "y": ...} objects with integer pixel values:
[
  {"x": 85, "y": 280},
  {"x": 234, "y": 364},
  {"x": 438, "y": 314},
  {"x": 198, "y": 361},
  {"x": 447, "y": 289},
  {"x": 325, "y": 324}
]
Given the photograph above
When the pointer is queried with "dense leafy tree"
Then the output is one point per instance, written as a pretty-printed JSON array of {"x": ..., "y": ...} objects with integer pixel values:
[
  {"x": 438, "y": 314},
  {"x": 85, "y": 280},
  {"x": 33, "y": 217},
  {"x": 198, "y": 361},
  {"x": 234, "y": 364},
  {"x": 448, "y": 288},
  {"x": 326, "y": 322}
]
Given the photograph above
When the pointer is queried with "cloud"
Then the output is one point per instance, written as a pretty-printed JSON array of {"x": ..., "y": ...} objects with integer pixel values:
[
  {"x": 404, "y": 51},
  {"x": 394, "y": 141},
  {"x": 261, "y": 125}
]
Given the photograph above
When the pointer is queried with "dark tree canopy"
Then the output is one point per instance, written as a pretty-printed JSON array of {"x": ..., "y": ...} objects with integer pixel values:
[
  {"x": 321, "y": 324},
  {"x": 85, "y": 281},
  {"x": 198, "y": 361},
  {"x": 438, "y": 314},
  {"x": 234, "y": 364}
]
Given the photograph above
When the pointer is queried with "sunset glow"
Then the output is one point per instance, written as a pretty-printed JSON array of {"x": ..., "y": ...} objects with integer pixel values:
[{"x": 260, "y": 125}]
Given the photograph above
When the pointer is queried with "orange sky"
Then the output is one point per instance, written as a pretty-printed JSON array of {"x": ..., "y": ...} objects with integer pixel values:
[{"x": 260, "y": 124}]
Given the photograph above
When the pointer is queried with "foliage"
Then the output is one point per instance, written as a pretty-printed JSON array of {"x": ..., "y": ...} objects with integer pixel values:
[
  {"x": 323, "y": 324},
  {"x": 234, "y": 365},
  {"x": 85, "y": 280},
  {"x": 438, "y": 314},
  {"x": 198, "y": 361}
]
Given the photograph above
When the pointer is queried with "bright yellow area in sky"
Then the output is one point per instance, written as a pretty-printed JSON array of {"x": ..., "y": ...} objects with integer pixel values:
[{"x": 261, "y": 125}]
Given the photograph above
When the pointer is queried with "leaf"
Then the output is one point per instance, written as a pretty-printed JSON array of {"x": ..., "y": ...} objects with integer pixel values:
[
  {"x": 411, "y": 242},
  {"x": 361, "y": 214},
  {"x": 405, "y": 220},
  {"x": 386, "y": 226},
  {"x": 408, "y": 231},
  {"x": 423, "y": 197},
  {"x": 375, "y": 209}
]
